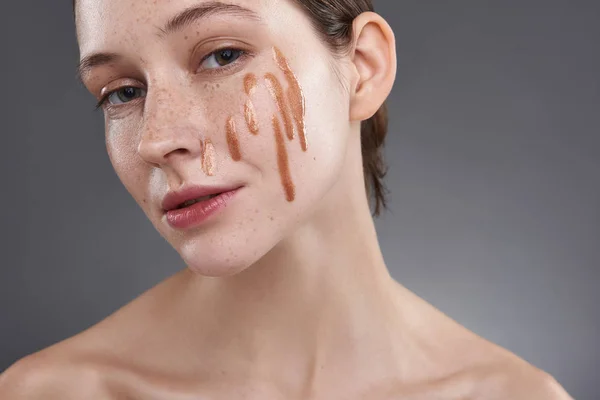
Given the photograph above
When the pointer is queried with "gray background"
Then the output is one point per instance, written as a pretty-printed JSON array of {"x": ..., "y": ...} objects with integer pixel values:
[{"x": 494, "y": 170}]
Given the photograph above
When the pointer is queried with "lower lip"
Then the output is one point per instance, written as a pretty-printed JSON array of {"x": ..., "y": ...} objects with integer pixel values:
[{"x": 198, "y": 213}]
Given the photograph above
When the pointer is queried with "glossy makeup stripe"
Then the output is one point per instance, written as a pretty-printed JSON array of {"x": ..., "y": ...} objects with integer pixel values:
[
  {"x": 250, "y": 83},
  {"x": 232, "y": 140},
  {"x": 297, "y": 108},
  {"x": 208, "y": 158},
  {"x": 250, "y": 117},
  {"x": 277, "y": 93},
  {"x": 295, "y": 96},
  {"x": 283, "y": 162}
]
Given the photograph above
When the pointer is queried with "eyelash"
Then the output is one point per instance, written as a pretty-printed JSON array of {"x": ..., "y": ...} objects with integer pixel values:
[{"x": 242, "y": 55}]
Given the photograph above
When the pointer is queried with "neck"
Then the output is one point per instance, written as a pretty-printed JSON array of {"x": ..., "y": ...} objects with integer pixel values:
[{"x": 322, "y": 300}]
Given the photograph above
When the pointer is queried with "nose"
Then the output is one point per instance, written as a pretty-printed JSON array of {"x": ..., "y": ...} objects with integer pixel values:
[{"x": 167, "y": 132}]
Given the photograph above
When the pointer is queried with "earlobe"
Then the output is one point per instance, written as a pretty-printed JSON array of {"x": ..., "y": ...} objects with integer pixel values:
[{"x": 374, "y": 61}]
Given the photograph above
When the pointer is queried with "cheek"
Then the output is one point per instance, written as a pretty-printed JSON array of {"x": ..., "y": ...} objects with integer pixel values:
[
  {"x": 121, "y": 149},
  {"x": 325, "y": 131},
  {"x": 284, "y": 124},
  {"x": 278, "y": 126},
  {"x": 264, "y": 122}
]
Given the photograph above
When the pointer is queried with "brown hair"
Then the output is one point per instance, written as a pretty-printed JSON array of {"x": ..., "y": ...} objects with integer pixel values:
[{"x": 333, "y": 20}]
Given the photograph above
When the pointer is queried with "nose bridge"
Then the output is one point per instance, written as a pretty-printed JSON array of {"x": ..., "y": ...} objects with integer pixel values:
[{"x": 166, "y": 126}]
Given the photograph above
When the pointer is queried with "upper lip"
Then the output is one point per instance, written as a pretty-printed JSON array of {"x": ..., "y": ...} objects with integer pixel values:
[{"x": 174, "y": 199}]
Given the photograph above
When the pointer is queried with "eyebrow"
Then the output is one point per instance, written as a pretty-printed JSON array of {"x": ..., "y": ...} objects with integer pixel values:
[
  {"x": 94, "y": 60},
  {"x": 193, "y": 14},
  {"x": 176, "y": 23}
]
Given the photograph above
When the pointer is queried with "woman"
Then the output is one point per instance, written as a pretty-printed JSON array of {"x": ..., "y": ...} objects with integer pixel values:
[{"x": 249, "y": 132}]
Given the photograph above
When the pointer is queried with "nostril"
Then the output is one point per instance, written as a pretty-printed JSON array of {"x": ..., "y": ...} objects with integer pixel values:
[
  {"x": 160, "y": 143},
  {"x": 159, "y": 153}
]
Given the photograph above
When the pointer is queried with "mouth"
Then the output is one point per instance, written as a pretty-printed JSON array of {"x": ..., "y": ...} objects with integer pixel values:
[
  {"x": 193, "y": 206},
  {"x": 191, "y": 194},
  {"x": 191, "y": 202}
]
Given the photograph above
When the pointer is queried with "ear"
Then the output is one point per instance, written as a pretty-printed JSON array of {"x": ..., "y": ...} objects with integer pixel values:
[{"x": 374, "y": 65}]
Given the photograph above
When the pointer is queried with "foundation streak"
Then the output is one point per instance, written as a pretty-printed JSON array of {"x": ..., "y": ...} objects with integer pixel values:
[
  {"x": 295, "y": 96},
  {"x": 283, "y": 162},
  {"x": 277, "y": 93},
  {"x": 250, "y": 83},
  {"x": 208, "y": 158},
  {"x": 232, "y": 140},
  {"x": 250, "y": 116}
]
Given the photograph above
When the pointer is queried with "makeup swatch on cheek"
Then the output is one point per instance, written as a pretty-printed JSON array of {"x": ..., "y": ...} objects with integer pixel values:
[
  {"x": 277, "y": 93},
  {"x": 250, "y": 83},
  {"x": 249, "y": 112},
  {"x": 208, "y": 158},
  {"x": 283, "y": 162},
  {"x": 250, "y": 116},
  {"x": 232, "y": 140},
  {"x": 294, "y": 95}
]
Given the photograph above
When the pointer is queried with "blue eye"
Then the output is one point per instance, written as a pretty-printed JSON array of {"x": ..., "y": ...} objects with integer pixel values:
[
  {"x": 221, "y": 58},
  {"x": 125, "y": 95}
]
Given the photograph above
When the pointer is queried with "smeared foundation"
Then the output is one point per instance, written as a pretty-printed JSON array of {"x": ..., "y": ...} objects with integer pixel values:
[
  {"x": 232, "y": 140},
  {"x": 297, "y": 107},
  {"x": 294, "y": 95},
  {"x": 277, "y": 93},
  {"x": 208, "y": 158},
  {"x": 249, "y": 84},
  {"x": 250, "y": 116},
  {"x": 283, "y": 162}
]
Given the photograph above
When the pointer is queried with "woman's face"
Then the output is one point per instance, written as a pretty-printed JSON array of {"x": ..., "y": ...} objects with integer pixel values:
[{"x": 235, "y": 99}]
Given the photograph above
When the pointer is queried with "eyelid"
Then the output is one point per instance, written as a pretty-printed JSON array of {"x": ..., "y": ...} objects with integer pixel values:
[
  {"x": 244, "y": 50},
  {"x": 113, "y": 87},
  {"x": 207, "y": 48},
  {"x": 243, "y": 54},
  {"x": 120, "y": 84}
]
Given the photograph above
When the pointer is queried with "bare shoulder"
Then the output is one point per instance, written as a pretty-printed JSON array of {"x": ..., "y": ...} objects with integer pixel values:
[
  {"x": 86, "y": 365},
  {"x": 514, "y": 380},
  {"x": 497, "y": 375},
  {"x": 45, "y": 375}
]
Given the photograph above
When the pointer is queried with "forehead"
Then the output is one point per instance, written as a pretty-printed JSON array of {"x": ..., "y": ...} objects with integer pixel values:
[{"x": 111, "y": 22}]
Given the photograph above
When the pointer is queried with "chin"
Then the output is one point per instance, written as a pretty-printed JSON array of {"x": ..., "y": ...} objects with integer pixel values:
[{"x": 221, "y": 256}]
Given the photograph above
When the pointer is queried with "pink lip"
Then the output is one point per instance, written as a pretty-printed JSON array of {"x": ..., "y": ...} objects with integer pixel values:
[
  {"x": 174, "y": 199},
  {"x": 197, "y": 213}
]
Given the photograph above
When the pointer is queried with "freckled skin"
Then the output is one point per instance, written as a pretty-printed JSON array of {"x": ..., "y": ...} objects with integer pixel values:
[{"x": 279, "y": 299}]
